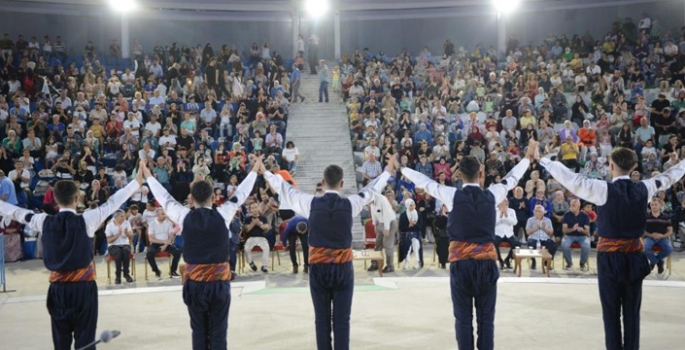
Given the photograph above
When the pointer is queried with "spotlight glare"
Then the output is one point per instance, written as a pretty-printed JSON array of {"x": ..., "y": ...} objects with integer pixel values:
[
  {"x": 123, "y": 5},
  {"x": 316, "y": 8},
  {"x": 505, "y": 6}
]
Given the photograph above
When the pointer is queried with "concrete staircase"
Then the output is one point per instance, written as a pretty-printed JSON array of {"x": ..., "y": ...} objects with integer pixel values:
[{"x": 321, "y": 134}]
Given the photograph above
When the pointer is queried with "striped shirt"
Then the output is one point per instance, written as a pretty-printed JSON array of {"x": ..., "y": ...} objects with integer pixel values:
[{"x": 659, "y": 224}]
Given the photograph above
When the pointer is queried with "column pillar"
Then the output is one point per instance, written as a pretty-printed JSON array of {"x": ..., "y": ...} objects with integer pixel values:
[
  {"x": 125, "y": 37},
  {"x": 296, "y": 31},
  {"x": 336, "y": 32},
  {"x": 501, "y": 35}
]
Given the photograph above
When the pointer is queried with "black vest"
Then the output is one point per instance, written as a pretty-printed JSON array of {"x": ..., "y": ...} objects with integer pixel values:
[
  {"x": 66, "y": 245},
  {"x": 330, "y": 222},
  {"x": 473, "y": 216},
  {"x": 205, "y": 237},
  {"x": 625, "y": 212}
]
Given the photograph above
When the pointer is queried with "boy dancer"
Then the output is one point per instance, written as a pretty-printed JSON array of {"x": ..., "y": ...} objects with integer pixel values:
[
  {"x": 206, "y": 249},
  {"x": 67, "y": 240},
  {"x": 472, "y": 253},
  {"x": 331, "y": 275},
  {"x": 621, "y": 219}
]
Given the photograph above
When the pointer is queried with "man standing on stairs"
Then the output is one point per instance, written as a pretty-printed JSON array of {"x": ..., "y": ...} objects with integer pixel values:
[
  {"x": 314, "y": 42},
  {"x": 324, "y": 77},
  {"x": 331, "y": 273},
  {"x": 295, "y": 82}
]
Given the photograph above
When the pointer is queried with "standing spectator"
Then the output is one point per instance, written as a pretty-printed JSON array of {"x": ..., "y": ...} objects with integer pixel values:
[
  {"x": 324, "y": 78},
  {"x": 115, "y": 51},
  {"x": 295, "y": 83},
  {"x": 314, "y": 42},
  {"x": 7, "y": 190}
]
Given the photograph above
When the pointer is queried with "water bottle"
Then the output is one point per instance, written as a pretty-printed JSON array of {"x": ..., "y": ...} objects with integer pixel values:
[{"x": 537, "y": 245}]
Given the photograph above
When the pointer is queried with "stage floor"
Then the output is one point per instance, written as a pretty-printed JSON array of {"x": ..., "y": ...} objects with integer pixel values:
[{"x": 392, "y": 313}]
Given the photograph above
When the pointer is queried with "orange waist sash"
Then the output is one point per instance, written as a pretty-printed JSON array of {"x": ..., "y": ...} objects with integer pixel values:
[
  {"x": 207, "y": 272},
  {"x": 321, "y": 255},
  {"x": 464, "y": 250},
  {"x": 620, "y": 245},
  {"x": 85, "y": 274}
]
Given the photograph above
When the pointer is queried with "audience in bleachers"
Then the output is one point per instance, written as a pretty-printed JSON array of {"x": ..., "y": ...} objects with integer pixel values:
[{"x": 579, "y": 97}]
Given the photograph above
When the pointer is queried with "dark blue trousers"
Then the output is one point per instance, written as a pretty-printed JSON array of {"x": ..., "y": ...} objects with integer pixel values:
[
  {"x": 620, "y": 278},
  {"x": 332, "y": 286},
  {"x": 208, "y": 305},
  {"x": 474, "y": 281},
  {"x": 73, "y": 309}
]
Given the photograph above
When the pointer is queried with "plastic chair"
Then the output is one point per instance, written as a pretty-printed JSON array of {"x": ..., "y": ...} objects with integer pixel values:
[
  {"x": 369, "y": 236},
  {"x": 158, "y": 255},
  {"x": 131, "y": 257},
  {"x": 657, "y": 249}
]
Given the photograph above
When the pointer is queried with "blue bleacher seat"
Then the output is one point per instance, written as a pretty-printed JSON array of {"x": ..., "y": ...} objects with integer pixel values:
[{"x": 288, "y": 64}]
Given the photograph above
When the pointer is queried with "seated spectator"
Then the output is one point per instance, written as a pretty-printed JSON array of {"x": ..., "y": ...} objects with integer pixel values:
[
  {"x": 162, "y": 240},
  {"x": 569, "y": 154},
  {"x": 290, "y": 157},
  {"x": 540, "y": 231},
  {"x": 274, "y": 141},
  {"x": 119, "y": 235},
  {"x": 576, "y": 228},
  {"x": 504, "y": 232},
  {"x": 657, "y": 233},
  {"x": 534, "y": 184},
  {"x": 371, "y": 168},
  {"x": 22, "y": 179},
  {"x": 255, "y": 229}
]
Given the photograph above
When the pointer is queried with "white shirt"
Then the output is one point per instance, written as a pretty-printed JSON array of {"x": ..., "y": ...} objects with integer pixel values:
[
  {"x": 381, "y": 211},
  {"x": 290, "y": 153},
  {"x": 504, "y": 226},
  {"x": 149, "y": 216},
  {"x": 301, "y": 202},
  {"x": 314, "y": 39},
  {"x": 300, "y": 44},
  {"x": 13, "y": 175},
  {"x": 178, "y": 212},
  {"x": 153, "y": 127},
  {"x": 112, "y": 230},
  {"x": 93, "y": 217},
  {"x": 160, "y": 230},
  {"x": 592, "y": 71},
  {"x": 445, "y": 194},
  {"x": 595, "y": 191},
  {"x": 149, "y": 154},
  {"x": 171, "y": 140}
]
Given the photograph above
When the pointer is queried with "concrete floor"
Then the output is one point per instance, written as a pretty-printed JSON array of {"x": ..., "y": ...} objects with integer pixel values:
[
  {"x": 405, "y": 310},
  {"x": 415, "y": 314}
]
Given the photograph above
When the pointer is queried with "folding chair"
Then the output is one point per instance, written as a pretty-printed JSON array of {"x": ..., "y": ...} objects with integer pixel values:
[{"x": 110, "y": 259}]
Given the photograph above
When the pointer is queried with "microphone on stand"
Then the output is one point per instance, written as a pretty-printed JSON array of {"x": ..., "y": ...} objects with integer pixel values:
[{"x": 105, "y": 337}]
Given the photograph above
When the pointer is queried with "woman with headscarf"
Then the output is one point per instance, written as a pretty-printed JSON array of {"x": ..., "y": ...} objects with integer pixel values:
[{"x": 411, "y": 225}]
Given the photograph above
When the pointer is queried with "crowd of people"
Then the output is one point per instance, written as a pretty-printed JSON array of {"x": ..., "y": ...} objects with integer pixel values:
[
  {"x": 192, "y": 114},
  {"x": 199, "y": 114},
  {"x": 578, "y": 97}
]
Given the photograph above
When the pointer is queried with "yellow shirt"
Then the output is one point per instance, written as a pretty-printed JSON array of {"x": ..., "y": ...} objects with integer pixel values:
[
  {"x": 569, "y": 152},
  {"x": 527, "y": 120}
]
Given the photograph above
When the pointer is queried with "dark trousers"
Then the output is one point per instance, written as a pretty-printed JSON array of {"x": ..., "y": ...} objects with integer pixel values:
[
  {"x": 156, "y": 248},
  {"x": 549, "y": 244},
  {"x": 620, "y": 290},
  {"x": 512, "y": 241},
  {"x": 332, "y": 287},
  {"x": 474, "y": 281},
  {"x": 442, "y": 248},
  {"x": 73, "y": 309},
  {"x": 208, "y": 305},
  {"x": 121, "y": 255},
  {"x": 292, "y": 242},
  {"x": 313, "y": 58}
]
